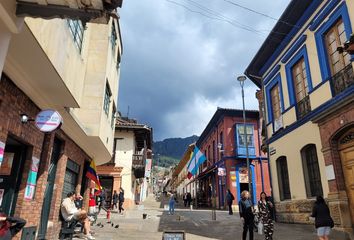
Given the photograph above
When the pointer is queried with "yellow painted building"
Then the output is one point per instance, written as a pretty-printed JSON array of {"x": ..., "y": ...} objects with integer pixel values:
[{"x": 308, "y": 90}]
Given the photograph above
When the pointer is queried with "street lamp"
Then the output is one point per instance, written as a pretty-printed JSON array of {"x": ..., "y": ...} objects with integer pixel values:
[{"x": 242, "y": 80}]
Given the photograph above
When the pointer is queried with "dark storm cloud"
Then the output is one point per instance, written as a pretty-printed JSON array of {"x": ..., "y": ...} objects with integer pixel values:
[{"x": 178, "y": 65}]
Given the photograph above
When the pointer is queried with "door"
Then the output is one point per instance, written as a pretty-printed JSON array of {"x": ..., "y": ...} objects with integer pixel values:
[
  {"x": 347, "y": 157},
  {"x": 10, "y": 180},
  {"x": 48, "y": 194}
]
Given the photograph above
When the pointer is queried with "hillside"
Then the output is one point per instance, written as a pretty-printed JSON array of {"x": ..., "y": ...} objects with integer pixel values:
[{"x": 171, "y": 150}]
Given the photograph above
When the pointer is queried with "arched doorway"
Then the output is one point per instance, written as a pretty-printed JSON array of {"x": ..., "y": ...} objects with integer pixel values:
[{"x": 346, "y": 151}]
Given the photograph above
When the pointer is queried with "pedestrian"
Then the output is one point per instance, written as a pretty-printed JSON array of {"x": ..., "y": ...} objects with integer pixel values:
[
  {"x": 121, "y": 200},
  {"x": 70, "y": 212},
  {"x": 185, "y": 199},
  {"x": 246, "y": 214},
  {"x": 265, "y": 216},
  {"x": 102, "y": 199},
  {"x": 115, "y": 200},
  {"x": 10, "y": 226},
  {"x": 189, "y": 199},
  {"x": 171, "y": 204},
  {"x": 229, "y": 199},
  {"x": 323, "y": 219}
]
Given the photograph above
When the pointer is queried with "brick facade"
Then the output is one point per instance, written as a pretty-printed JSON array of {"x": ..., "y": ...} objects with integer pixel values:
[{"x": 13, "y": 102}]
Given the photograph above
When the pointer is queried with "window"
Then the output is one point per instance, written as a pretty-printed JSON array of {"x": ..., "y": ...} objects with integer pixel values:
[
  {"x": 107, "y": 99},
  {"x": 335, "y": 38},
  {"x": 300, "y": 82},
  {"x": 249, "y": 135},
  {"x": 113, "y": 36},
  {"x": 77, "y": 31},
  {"x": 71, "y": 176},
  {"x": 275, "y": 98},
  {"x": 241, "y": 140},
  {"x": 283, "y": 178},
  {"x": 214, "y": 151},
  {"x": 311, "y": 171},
  {"x": 113, "y": 119},
  {"x": 209, "y": 155}
]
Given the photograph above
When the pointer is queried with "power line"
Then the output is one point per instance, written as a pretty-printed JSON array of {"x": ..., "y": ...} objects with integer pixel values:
[{"x": 260, "y": 13}]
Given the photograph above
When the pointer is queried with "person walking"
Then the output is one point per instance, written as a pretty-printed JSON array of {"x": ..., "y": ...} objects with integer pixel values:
[
  {"x": 229, "y": 199},
  {"x": 323, "y": 219},
  {"x": 246, "y": 215},
  {"x": 189, "y": 199},
  {"x": 185, "y": 199},
  {"x": 115, "y": 200},
  {"x": 121, "y": 200},
  {"x": 265, "y": 209},
  {"x": 171, "y": 204}
]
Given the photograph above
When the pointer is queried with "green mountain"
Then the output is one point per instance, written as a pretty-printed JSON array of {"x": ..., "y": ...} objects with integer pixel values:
[{"x": 170, "y": 151}]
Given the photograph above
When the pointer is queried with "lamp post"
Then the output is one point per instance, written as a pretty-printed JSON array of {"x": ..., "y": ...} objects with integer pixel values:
[{"x": 242, "y": 80}]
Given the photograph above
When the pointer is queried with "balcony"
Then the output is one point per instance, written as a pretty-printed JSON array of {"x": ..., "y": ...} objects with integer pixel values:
[
  {"x": 303, "y": 107},
  {"x": 138, "y": 160},
  {"x": 342, "y": 80}
]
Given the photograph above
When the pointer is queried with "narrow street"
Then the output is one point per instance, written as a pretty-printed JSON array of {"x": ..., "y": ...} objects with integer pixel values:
[{"x": 197, "y": 224}]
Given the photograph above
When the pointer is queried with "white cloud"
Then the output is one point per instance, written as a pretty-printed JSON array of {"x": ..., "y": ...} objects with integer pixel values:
[{"x": 178, "y": 64}]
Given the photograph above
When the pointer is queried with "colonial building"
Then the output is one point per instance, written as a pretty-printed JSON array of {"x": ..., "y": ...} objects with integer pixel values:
[
  {"x": 308, "y": 87},
  {"x": 180, "y": 182},
  {"x": 131, "y": 164},
  {"x": 224, "y": 145},
  {"x": 69, "y": 67}
]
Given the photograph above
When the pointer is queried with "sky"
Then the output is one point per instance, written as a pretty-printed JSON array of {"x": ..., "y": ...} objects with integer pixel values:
[{"x": 181, "y": 59}]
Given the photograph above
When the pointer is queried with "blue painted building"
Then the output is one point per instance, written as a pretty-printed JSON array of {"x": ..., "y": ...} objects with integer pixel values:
[{"x": 308, "y": 88}]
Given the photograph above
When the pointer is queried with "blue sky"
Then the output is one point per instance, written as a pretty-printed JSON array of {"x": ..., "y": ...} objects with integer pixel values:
[{"x": 181, "y": 59}]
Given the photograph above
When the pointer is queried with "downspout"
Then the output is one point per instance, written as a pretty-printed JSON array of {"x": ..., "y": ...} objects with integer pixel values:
[{"x": 260, "y": 157}]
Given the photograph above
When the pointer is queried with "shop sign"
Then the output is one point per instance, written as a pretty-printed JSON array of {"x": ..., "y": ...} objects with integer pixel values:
[
  {"x": 243, "y": 173},
  {"x": 221, "y": 171},
  {"x": 48, "y": 120},
  {"x": 32, "y": 179},
  {"x": 176, "y": 235}
]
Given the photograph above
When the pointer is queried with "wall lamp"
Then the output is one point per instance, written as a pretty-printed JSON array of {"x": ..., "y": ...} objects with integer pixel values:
[{"x": 24, "y": 118}]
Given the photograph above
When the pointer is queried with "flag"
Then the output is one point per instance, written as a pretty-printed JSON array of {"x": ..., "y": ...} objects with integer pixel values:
[
  {"x": 197, "y": 159},
  {"x": 92, "y": 174}
]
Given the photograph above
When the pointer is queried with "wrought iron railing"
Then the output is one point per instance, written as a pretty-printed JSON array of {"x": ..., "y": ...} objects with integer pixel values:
[
  {"x": 303, "y": 107},
  {"x": 342, "y": 80}
]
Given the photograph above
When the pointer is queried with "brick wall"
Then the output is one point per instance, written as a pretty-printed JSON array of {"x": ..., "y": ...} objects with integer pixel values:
[{"x": 13, "y": 102}]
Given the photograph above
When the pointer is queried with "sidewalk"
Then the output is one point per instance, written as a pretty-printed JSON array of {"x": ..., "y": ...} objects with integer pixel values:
[{"x": 197, "y": 224}]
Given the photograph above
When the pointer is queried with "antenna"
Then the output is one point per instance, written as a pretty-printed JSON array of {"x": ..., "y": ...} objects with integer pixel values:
[{"x": 128, "y": 112}]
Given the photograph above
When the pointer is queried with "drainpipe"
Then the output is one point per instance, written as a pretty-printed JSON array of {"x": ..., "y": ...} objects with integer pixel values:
[{"x": 260, "y": 156}]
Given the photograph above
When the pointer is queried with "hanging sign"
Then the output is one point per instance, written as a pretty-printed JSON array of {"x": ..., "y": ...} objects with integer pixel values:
[
  {"x": 32, "y": 179},
  {"x": 2, "y": 150},
  {"x": 221, "y": 171},
  {"x": 48, "y": 120}
]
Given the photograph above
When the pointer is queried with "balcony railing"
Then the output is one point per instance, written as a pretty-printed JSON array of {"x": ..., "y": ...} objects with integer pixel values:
[
  {"x": 342, "y": 80},
  {"x": 303, "y": 107}
]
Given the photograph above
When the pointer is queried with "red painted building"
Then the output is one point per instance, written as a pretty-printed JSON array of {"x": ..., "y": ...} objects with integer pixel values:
[{"x": 224, "y": 145}]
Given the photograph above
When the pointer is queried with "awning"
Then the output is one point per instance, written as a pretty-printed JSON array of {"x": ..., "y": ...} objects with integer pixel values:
[{"x": 206, "y": 173}]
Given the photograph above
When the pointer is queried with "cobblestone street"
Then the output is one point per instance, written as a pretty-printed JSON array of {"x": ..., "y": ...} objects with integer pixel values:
[{"x": 197, "y": 224}]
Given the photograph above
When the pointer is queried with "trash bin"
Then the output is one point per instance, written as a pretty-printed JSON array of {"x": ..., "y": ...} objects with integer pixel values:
[{"x": 144, "y": 215}]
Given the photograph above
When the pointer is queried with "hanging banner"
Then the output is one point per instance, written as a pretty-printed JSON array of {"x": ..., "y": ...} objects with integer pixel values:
[
  {"x": 2, "y": 150},
  {"x": 32, "y": 179},
  {"x": 233, "y": 178}
]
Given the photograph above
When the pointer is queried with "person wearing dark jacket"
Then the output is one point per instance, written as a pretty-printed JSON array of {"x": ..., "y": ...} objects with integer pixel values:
[
  {"x": 10, "y": 226},
  {"x": 323, "y": 220},
  {"x": 229, "y": 200},
  {"x": 115, "y": 199},
  {"x": 121, "y": 200},
  {"x": 246, "y": 215}
]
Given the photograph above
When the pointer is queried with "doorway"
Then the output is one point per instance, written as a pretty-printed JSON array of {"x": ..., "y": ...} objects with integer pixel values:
[
  {"x": 10, "y": 174},
  {"x": 48, "y": 194},
  {"x": 242, "y": 181},
  {"x": 346, "y": 150}
]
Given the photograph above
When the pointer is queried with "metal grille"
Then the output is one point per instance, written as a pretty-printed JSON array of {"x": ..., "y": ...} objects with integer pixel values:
[{"x": 342, "y": 80}]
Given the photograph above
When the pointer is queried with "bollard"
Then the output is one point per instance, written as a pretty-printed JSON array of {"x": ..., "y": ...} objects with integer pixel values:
[
  {"x": 108, "y": 215},
  {"x": 191, "y": 207},
  {"x": 213, "y": 214}
]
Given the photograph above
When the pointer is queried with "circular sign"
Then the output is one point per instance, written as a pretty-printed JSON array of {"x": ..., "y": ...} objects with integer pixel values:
[{"x": 48, "y": 120}]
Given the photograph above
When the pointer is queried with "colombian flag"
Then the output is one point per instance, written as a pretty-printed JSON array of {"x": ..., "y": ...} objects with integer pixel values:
[{"x": 92, "y": 174}]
